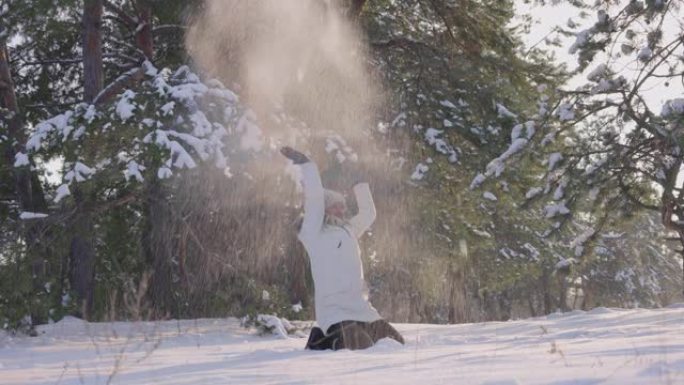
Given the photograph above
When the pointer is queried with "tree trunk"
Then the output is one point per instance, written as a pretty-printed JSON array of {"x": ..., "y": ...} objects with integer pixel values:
[
  {"x": 505, "y": 305},
  {"x": 546, "y": 290},
  {"x": 459, "y": 308},
  {"x": 530, "y": 304},
  {"x": 298, "y": 266},
  {"x": 155, "y": 235},
  {"x": 415, "y": 303},
  {"x": 27, "y": 188},
  {"x": 563, "y": 291},
  {"x": 144, "y": 39},
  {"x": 680, "y": 233},
  {"x": 82, "y": 251},
  {"x": 92, "y": 49},
  {"x": 669, "y": 206},
  {"x": 155, "y": 241},
  {"x": 82, "y": 257},
  {"x": 457, "y": 303},
  {"x": 586, "y": 299}
]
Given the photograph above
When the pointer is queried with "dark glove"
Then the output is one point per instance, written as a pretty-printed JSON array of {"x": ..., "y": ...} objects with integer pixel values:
[{"x": 295, "y": 156}]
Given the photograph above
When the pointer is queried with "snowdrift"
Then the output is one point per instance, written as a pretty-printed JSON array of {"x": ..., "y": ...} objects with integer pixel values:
[{"x": 602, "y": 346}]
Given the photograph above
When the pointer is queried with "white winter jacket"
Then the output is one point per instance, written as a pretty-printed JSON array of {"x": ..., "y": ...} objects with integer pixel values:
[{"x": 340, "y": 292}]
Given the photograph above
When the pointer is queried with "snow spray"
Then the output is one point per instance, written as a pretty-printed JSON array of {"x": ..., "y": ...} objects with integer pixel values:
[
  {"x": 299, "y": 55},
  {"x": 305, "y": 58}
]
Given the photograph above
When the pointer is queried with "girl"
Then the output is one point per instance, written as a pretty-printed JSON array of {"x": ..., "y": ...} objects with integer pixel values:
[{"x": 345, "y": 317}]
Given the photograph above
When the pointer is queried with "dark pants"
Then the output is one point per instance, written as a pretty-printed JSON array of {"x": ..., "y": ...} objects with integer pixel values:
[{"x": 352, "y": 335}]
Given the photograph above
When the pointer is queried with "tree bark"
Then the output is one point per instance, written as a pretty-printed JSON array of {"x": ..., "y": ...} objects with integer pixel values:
[
  {"x": 457, "y": 301},
  {"x": 82, "y": 248},
  {"x": 154, "y": 237},
  {"x": 27, "y": 188},
  {"x": 82, "y": 257},
  {"x": 530, "y": 304},
  {"x": 155, "y": 240},
  {"x": 563, "y": 292},
  {"x": 505, "y": 305},
  {"x": 92, "y": 49},
  {"x": 681, "y": 240},
  {"x": 144, "y": 38},
  {"x": 298, "y": 266},
  {"x": 546, "y": 290}
]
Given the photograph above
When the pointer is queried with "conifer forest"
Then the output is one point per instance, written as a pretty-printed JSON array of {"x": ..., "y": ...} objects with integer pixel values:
[{"x": 141, "y": 177}]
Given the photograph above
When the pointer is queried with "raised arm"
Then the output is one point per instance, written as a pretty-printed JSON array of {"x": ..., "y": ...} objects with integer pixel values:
[
  {"x": 314, "y": 201},
  {"x": 366, "y": 216}
]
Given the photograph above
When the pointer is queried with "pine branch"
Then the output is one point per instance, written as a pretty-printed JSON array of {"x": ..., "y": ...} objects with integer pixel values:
[
  {"x": 127, "y": 58},
  {"x": 51, "y": 105},
  {"x": 62, "y": 61},
  {"x": 129, "y": 21},
  {"x": 124, "y": 44},
  {"x": 625, "y": 190},
  {"x": 168, "y": 27},
  {"x": 129, "y": 78},
  {"x": 54, "y": 61}
]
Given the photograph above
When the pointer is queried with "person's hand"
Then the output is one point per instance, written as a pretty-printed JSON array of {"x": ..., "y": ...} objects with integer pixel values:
[{"x": 295, "y": 156}]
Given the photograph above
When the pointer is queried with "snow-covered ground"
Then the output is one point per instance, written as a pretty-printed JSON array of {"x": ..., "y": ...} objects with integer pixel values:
[{"x": 602, "y": 346}]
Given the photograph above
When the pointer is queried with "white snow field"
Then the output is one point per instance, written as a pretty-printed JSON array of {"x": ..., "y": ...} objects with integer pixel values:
[{"x": 602, "y": 346}]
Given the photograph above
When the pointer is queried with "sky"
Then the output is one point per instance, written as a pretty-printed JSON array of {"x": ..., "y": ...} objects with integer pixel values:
[{"x": 547, "y": 18}]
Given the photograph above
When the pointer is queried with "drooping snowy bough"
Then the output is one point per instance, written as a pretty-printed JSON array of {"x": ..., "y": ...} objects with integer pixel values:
[
  {"x": 607, "y": 153},
  {"x": 172, "y": 121}
]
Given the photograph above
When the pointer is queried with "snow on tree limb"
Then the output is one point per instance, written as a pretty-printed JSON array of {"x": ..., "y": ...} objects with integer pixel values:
[
  {"x": 61, "y": 192},
  {"x": 554, "y": 210},
  {"x": 432, "y": 137},
  {"x": 174, "y": 112},
  {"x": 21, "y": 160},
  {"x": 26, "y": 215},
  {"x": 128, "y": 79}
]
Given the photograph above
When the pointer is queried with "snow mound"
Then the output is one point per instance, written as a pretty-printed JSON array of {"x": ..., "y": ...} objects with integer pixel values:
[
  {"x": 386, "y": 345},
  {"x": 600, "y": 346},
  {"x": 501, "y": 382}
]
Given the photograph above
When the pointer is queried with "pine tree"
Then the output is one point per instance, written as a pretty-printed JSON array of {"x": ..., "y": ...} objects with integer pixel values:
[{"x": 612, "y": 153}]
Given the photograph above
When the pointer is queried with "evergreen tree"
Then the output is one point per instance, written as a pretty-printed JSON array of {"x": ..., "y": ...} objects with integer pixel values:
[{"x": 612, "y": 154}]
